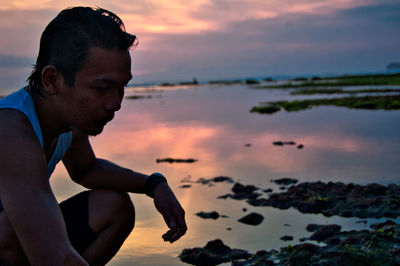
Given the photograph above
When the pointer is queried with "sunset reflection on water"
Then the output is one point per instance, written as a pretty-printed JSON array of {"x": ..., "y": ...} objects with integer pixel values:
[{"x": 213, "y": 125}]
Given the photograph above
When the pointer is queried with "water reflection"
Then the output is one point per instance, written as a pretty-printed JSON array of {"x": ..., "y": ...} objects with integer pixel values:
[{"x": 213, "y": 124}]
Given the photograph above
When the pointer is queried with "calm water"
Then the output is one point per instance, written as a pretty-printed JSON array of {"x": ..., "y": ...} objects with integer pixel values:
[{"x": 213, "y": 124}]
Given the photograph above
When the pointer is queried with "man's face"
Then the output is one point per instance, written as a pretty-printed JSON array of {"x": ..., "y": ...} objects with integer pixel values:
[{"x": 98, "y": 90}]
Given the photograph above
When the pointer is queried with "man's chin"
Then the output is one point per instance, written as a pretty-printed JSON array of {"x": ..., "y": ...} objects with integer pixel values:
[
  {"x": 92, "y": 131},
  {"x": 96, "y": 132}
]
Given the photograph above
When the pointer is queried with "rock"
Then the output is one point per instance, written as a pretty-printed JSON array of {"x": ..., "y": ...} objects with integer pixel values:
[
  {"x": 285, "y": 181},
  {"x": 186, "y": 186},
  {"x": 314, "y": 249},
  {"x": 379, "y": 246},
  {"x": 325, "y": 231},
  {"x": 377, "y": 226},
  {"x": 208, "y": 215},
  {"x": 312, "y": 227},
  {"x": 217, "y": 179},
  {"x": 287, "y": 238},
  {"x": 370, "y": 201},
  {"x": 278, "y": 143},
  {"x": 241, "y": 189},
  {"x": 252, "y": 219},
  {"x": 300, "y": 146},
  {"x": 350, "y": 240},
  {"x": 173, "y": 160},
  {"x": 281, "y": 143},
  {"x": 215, "y": 252},
  {"x": 261, "y": 258},
  {"x": 242, "y": 192}
]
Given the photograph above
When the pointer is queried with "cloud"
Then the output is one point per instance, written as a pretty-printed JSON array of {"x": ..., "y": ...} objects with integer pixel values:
[
  {"x": 360, "y": 38},
  {"x": 225, "y": 39},
  {"x": 178, "y": 16},
  {"x": 12, "y": 61},
  {"x": 13, "y": 71}
]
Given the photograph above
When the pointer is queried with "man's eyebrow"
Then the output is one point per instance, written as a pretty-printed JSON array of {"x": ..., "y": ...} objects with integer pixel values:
[{"x": 110, "y": 81}]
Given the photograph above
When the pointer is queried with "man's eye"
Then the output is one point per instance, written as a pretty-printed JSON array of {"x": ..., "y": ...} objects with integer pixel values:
[{"x": 101, "y": 89}]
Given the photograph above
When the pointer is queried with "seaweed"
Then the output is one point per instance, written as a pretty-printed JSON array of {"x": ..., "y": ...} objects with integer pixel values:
[
  {"x": 173, "y": 160},
  {"x": 339, "y": 81},
  {"x": 387, "y": 102},
  {"x": 225, "y": 82},
  {"x": 341, "y": 91}
]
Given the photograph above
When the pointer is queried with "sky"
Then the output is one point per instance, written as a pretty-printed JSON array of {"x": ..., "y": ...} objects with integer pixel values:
[{"x": 222, "y": 39}]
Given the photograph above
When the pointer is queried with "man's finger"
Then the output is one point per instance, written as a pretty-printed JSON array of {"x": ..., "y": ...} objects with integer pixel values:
[
  {"x": 173, "y": 235},
  {"x": 167, "y": 235}
]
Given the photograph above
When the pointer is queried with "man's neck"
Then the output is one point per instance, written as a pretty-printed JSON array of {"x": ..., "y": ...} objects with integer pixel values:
[{"x": 50, "y": 119}]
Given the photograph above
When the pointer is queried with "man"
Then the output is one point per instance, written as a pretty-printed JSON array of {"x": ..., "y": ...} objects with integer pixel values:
[{"x": 75, "y": 88}]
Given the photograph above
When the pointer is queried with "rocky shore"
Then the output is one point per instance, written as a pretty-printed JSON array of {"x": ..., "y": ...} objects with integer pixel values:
[
  {"x": 332, "y": 198},
  {"x": 347, "y": 200},
  {"x": 380, "y": 245}
]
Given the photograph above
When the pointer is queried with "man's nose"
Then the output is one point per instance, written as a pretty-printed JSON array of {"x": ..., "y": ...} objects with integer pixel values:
[{"x": 113, "y": 103}]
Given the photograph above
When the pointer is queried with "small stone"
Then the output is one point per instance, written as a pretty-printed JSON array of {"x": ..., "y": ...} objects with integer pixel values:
[
  {"x": 312, "y": 227},
  {"x": 325, "y": 231},
  {"x": 287, "y": 238},
  {"x": 285, "y": 181},
  {"x": 214, "y": 253},
  {"x": 252, "y": 219},
  {"x": 208, "y": 215},
  {"x": 278, "y": 143}
]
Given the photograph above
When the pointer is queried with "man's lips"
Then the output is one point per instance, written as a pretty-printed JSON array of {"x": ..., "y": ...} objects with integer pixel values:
[{"x": 106, "y": 119}]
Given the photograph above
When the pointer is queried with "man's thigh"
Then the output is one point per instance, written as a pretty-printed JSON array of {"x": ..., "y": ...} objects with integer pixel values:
[{"x": 76, "y": 216}]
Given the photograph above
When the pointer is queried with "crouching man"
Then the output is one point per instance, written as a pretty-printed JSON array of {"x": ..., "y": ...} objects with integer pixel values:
[{"x": 74, "y": 90}]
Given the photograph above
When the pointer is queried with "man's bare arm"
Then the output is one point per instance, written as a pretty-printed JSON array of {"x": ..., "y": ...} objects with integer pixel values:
[
  {"x": 26, "y": 195},
  {"x": 91, "y": 172}
]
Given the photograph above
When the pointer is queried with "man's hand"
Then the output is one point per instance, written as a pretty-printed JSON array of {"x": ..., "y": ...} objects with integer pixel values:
[{"x": 173, "y": 213}]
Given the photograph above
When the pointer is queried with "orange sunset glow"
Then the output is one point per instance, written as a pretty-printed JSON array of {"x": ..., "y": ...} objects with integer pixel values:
[{"x": 208, "y": 39}]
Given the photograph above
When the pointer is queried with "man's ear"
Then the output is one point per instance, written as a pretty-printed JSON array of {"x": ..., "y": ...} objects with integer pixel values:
[{"x": 51, "y": 79}]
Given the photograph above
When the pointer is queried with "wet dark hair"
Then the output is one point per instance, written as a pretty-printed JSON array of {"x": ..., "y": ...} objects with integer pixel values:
[{"x": 66, "y": 41}]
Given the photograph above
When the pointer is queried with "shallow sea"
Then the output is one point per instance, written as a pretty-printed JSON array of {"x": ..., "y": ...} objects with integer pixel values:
[{"x": 212, "y": 123}]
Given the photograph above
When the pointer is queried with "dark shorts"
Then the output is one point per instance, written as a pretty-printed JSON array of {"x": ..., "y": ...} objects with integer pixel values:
[{"x": 76, "y": 216}]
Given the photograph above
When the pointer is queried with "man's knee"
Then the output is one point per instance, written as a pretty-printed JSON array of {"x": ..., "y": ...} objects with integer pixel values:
[{"x": 111, "y": 206}]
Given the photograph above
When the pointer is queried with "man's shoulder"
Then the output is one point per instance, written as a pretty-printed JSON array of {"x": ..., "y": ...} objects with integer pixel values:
[{"x": 14, "y": 123}]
